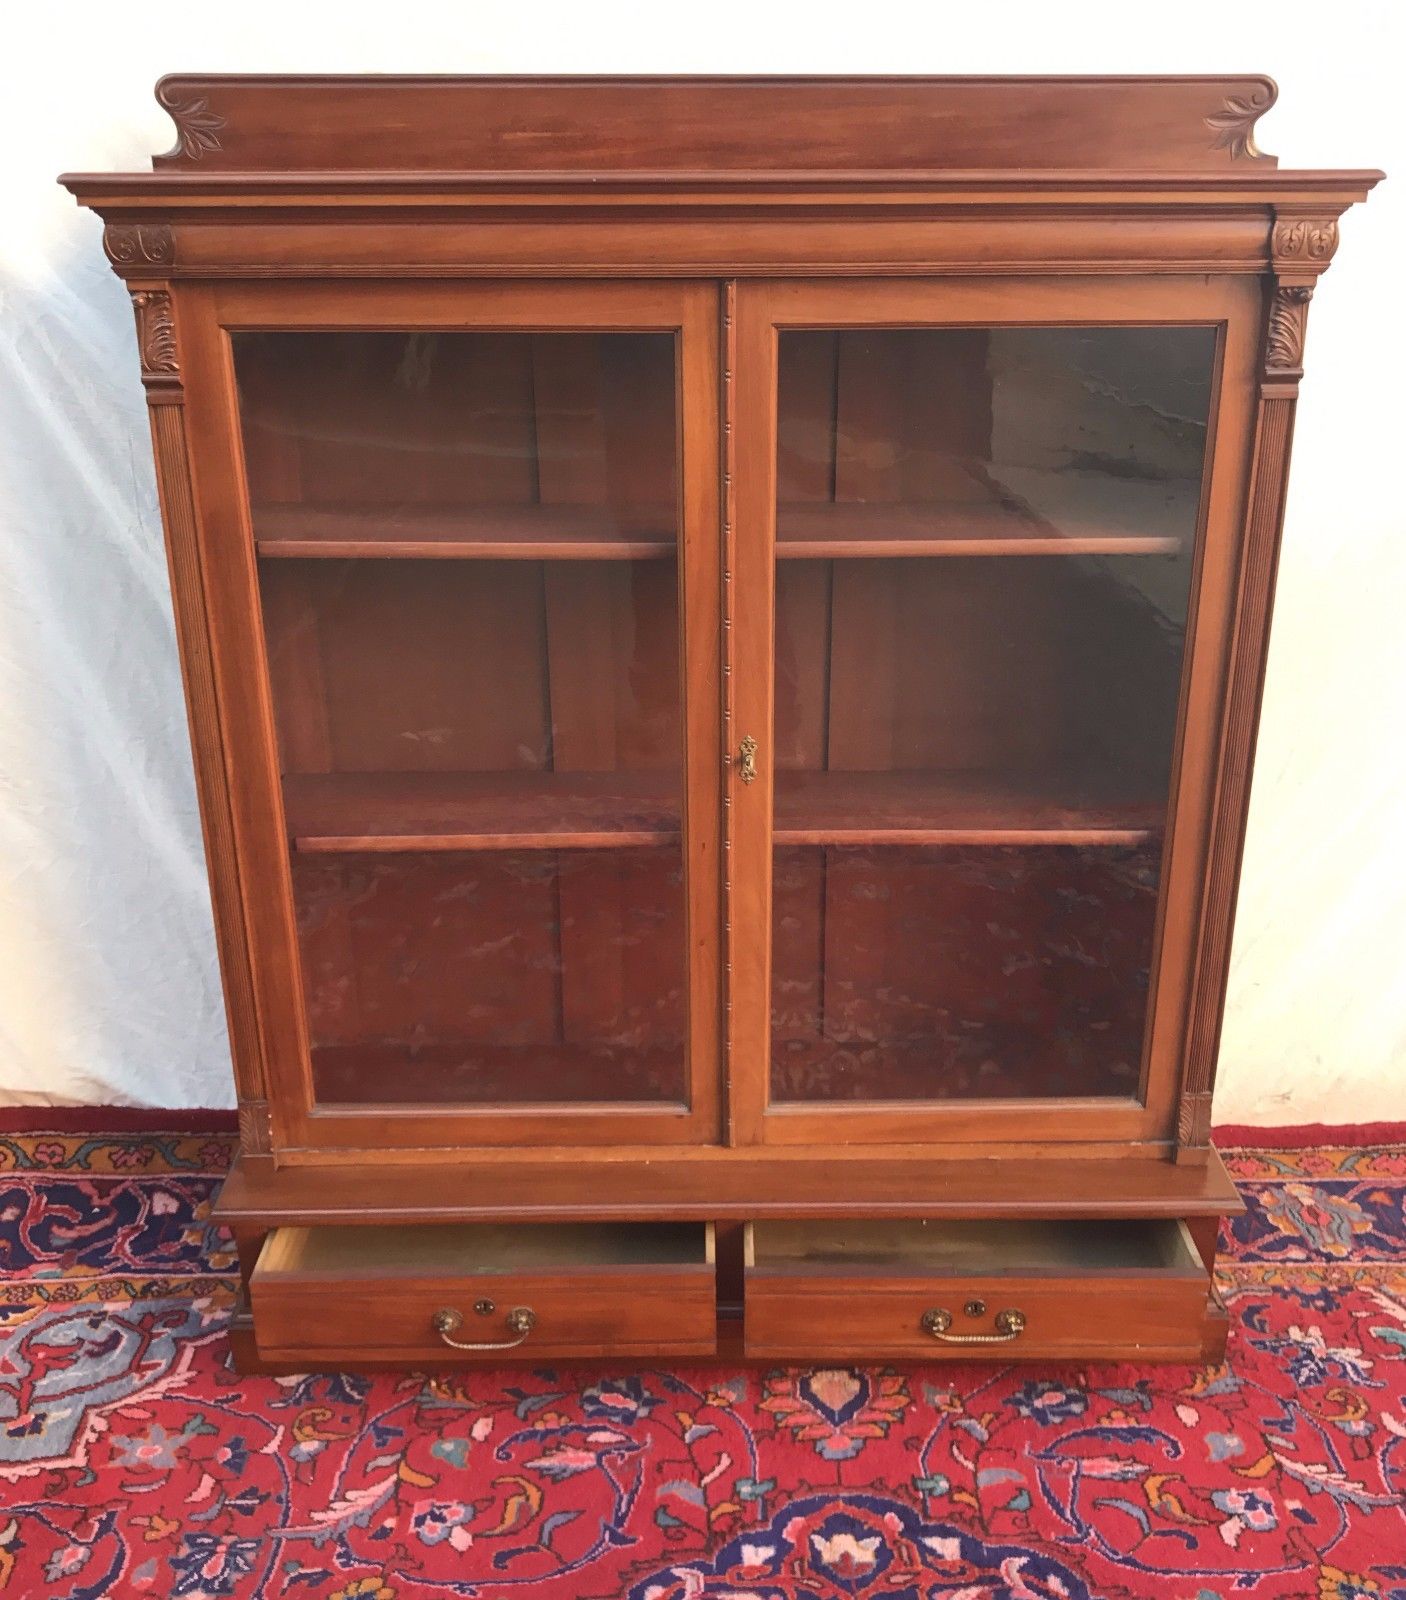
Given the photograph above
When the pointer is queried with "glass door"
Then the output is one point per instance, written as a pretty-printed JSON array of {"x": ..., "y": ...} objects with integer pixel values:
[
  {"x": 469, "y": 548},
  {"x": 981, "y": 543}
]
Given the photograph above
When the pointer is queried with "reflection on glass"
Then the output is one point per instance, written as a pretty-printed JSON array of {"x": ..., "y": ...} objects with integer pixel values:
[
  {"x": 984, "y": 542},
  {"x": 469, "y": 585}
]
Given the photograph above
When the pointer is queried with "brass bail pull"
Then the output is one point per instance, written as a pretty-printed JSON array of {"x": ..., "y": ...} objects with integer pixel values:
[
  {"x": 521, "y": 1321},
  {"x": 1009, "y": 1325}
]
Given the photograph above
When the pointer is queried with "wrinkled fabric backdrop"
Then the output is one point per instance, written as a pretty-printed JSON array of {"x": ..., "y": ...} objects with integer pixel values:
[{"x": 108, "y": 985}]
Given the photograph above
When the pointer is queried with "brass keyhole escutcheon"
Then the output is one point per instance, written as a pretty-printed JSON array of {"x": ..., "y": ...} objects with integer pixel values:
[
  {"x": 747, "y": 759},
  {"x": 484, "y": 1308},
  {"x": 975, "y": 1308}
]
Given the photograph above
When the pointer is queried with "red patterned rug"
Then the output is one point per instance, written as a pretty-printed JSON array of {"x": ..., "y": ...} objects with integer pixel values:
[{"x": 136, "y": 1463}]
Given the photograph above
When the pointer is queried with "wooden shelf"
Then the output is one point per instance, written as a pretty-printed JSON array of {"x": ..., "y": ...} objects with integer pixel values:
[
  {"x": 986, "y": 527},
  {"x": 484, "y": 532},
  {"x": 922, "y": 808},
  {"x": 404, "y": 811},
  {"x": 420, "y": 811}
]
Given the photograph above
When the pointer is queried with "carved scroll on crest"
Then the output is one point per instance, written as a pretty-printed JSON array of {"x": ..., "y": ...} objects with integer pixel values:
[
  {"x": 1234, "y": 123},
  {"x": 156, "y": 337},
  {"x": 197, "y": 127}
]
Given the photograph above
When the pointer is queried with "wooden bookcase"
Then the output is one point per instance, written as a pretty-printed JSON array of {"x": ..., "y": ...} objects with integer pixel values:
[{"x": 723, "y": 623}]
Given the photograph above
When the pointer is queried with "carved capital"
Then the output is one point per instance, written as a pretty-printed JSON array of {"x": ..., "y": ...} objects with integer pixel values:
[
  {"x": 255, "y": 1127},
  {"x": 1300, "y": 243},
  {"x": 139, "y": 244},
  {"x": 197, "y": 127},
  {"x": 156, "y": 339}
]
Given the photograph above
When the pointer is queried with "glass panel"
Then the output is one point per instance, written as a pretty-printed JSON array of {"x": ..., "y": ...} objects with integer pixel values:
[
  {"x": 467, "y": 563},
  {"x": 984, "y": 541}
]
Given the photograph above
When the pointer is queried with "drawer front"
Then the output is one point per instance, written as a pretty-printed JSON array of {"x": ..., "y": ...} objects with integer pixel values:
[
  {"x": 827, "y": 1309},
  {"x": 328, "y": 1303}
]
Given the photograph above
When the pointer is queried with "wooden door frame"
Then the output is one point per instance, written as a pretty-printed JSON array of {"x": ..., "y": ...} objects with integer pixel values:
[
  {"x": 209, "y": 313},
  {"x": 1234, "y": 305}
]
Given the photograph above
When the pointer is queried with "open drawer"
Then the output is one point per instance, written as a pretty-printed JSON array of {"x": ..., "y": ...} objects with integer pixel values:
[
  {"x": 980, "y": 1290},
  {"x": 339, "y": 1296}
]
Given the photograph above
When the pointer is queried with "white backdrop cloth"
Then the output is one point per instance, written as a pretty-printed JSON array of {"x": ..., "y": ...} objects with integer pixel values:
[{"x": 108, "y": 986}]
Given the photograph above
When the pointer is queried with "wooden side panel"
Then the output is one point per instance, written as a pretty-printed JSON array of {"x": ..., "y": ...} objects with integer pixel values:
[
  {"x": 1302, "y": 247},
  {"x": 162, "y": 373}
]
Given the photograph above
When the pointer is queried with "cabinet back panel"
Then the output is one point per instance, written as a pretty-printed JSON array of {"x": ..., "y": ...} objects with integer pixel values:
[
  {"x": 512, "y": 976},
  {"x": 959, "y": 973},
  {"x": 1056, "y": 665},
  {"x": 474, "y": 666},
  {"x": 445, "y": 419}
]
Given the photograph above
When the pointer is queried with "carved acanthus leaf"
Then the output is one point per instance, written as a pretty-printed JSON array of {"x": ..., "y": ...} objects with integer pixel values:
[
  {"x": 135, "y": 244},
  {"x": 1234, "y": 124},
  {"x": 197, "y": 127},
  {"x": 156, "y": 334},
  {"x": 1288, "y": 323},
  {"x": 1311, "y": 239}
]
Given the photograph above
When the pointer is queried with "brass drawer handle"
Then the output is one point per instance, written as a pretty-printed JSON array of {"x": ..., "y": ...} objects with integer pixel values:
[
  {"x": 747, "y": 759},
  {"x": 1009, "y": 1325},
  {"x": 521, "y": 1321}
]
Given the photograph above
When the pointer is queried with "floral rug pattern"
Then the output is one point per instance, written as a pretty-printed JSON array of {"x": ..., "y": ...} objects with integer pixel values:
[{"x": 135, "y": 1462}]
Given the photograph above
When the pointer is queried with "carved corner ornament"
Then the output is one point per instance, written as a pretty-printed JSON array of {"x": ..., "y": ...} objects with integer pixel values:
[
  {"x": 156, "y": 339},
  {"x": 1304, "y": 241},
  {"x": 255, "y": 1127},
  {"x": 139, "y": 244},
  {"x": 1194, "y": 1119},
  {"x": 1234, "y": 124},
  {"x": 197, "y": 127},
  {"x": 1300, "y": 248},
  {"x": 1288, "y": 324}
]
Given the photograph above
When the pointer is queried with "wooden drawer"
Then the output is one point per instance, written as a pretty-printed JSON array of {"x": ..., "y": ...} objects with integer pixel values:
[
  {"x": 346, "y": 1295},
  {"x": 924, "y": 1290}
]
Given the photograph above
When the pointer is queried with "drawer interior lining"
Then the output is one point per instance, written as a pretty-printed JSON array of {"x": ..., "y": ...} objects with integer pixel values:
[
  {"x": 465, "y": 1249},
  {"x": 921, "y": 1247}
]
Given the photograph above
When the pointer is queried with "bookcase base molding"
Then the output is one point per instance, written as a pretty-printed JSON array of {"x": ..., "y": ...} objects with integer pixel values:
[{"x": 723, "y": 624}]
